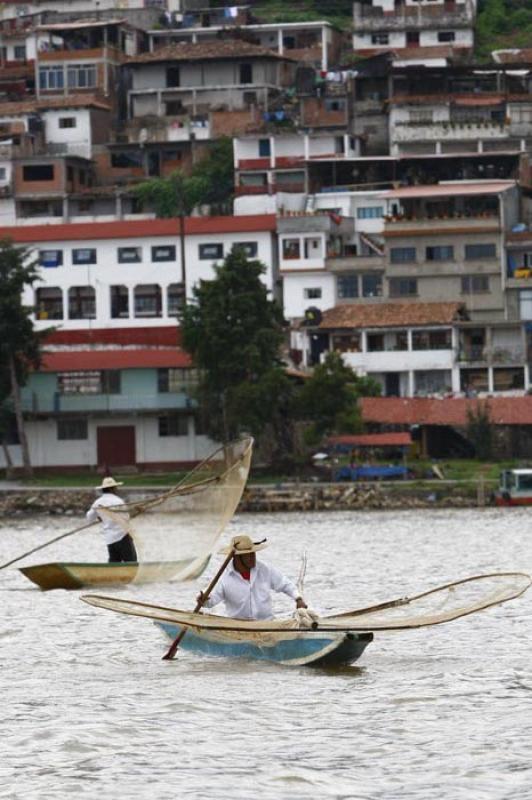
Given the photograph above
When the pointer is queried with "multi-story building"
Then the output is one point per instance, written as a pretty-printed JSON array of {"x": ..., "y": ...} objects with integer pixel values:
[
  {"x": 129, "y": 273},
  {"x": 417, "y": 31}
]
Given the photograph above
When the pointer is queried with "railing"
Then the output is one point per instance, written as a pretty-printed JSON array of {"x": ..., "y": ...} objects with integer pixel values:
[
  {"x": 39, "y": 403},
  {"x": 492, "y": 355}
]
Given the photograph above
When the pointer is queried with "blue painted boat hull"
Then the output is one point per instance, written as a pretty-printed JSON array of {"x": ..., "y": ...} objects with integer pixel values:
[{"x": 300, "y": 649}]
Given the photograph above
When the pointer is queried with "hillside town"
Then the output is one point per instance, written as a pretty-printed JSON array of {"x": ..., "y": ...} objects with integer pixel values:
[{"x": 382, "y": 174}]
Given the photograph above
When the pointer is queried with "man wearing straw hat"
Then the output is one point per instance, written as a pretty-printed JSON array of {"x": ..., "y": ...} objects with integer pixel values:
[
  {"x": 119, "y": 545},
  {"x": 247, "y": 584}
]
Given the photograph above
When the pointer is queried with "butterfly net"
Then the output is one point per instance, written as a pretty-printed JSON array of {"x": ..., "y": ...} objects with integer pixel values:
[
  {"x": 442, "y": 604},
  {"x": 175, "y": 532}
]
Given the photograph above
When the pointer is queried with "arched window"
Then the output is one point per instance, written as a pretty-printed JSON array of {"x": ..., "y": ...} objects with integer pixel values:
[
  {"x": 49, "y": 303},
  {"x": 81, "y": 302},
  {"x": 148, "y": 300},
  {"x": 119, "y": 302},
  {"x": 175, "y": 296}
]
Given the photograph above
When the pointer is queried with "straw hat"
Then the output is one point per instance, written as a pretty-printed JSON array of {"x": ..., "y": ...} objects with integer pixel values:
[
  {"x": 109, "y": 483},
  {"x": 242, "y": 545}
]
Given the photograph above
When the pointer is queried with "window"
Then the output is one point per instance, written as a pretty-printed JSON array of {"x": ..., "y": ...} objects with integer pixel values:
[
  {"x": 50, "y": 258},
  {"x": 84, "y": 255},
  {"x": 312, "y": 294},
  {"x": 126, "y": 160},
  {"x": 148, "y": 300},
  {"x": 3, "y": 173},
  {"x": 346, "y": 343},
  {"x": 403, "y": 287},
  {"x": 264, "y": 148},
  {"x": 371, "y": 285},
  {"x": 446, "y": 36},
  {"x": 402, "y": 255},
  {"x": 207, "y": 252},
  {"x": 347, "y": 286},
  {"x": 173, "y": 77},
  {"x": 89, "y": 382},
  {"x": 72, "y": 429},
  {"x": 129, "y": 255},
  {"x": 475, "y": 284},
  {"x": 119, "y": 302},
  {"x": 375, "y": 342},
  {"x": 173, "y": 425},
  {"x": 380, "y": 38},
  {"x": 245, "y": 73},
  {"x": 81, "y": 302},
  {"x": 441, "y": 253},
  {"x": 370, "y": 212},
  {"x": 291, "y": 249},
  {"x": 19, "y": 51},
  {"x": 175, "y": 297},
  {"x": 38, "y": 172},
  {"x": 474, "y": 251},
  {"x": 67, "y": 122},
  {"x": 174, "y": 379},
  {"x": 431, "y": 340},
  {"x": 163, "y": 253},
  {"x": 250, "y": 248},
  {"x": 49, "y": 303},
  {"x": 81, "y": 76},
  {"x": 51, "y": 78},
  {"x": 339, "y": 145}
]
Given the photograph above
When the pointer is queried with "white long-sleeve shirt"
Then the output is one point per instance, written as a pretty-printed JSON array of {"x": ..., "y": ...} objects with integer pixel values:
[
  {"x": 250, "y": 599},
  {"x": 112, "y": 532}
]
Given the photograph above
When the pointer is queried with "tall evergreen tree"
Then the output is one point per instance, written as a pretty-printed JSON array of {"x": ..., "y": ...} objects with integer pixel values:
[
  {"x": 233, "y": 332},
  {"x": 20, "y": 344}
]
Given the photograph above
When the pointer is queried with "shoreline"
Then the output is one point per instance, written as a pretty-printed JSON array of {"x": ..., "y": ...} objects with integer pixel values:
[{"x": 273, "y": 498}]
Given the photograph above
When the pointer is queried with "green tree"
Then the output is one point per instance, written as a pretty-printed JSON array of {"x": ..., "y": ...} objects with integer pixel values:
[
  {"x": 175, "y": 196},
  {"x": 328, "y": 400},
  {"x": 20, "y": 344},
  {"x": 233, "y": 332},
  {"x": 218, "y": 173},
  {"x": 480, "y": 430}
]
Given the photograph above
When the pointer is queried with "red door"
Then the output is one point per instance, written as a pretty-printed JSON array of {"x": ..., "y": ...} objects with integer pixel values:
[{"x": 116, "y": 446}]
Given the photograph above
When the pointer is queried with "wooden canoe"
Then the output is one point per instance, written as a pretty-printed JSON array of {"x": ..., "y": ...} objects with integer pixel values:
[
  {"x": 71, "y": 575},
  {"x": 301, "y": 648}
]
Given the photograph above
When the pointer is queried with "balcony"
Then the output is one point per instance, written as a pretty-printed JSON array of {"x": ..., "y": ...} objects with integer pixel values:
[
  {"x": 466, "y": 221},
  {"x": 491, "y": 355},
  {"x": 476, "y": 130},
  {"x": 369, "y": 18},
  {"x": 54, "y": 403},
  {"x": 314, "y": 223},
  {"x": 355, "y": 263}
]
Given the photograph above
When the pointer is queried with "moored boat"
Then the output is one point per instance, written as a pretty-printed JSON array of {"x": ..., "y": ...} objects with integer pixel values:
[
  {"x": 515, "y": 488},
  {"x": 72, "y": 575}
]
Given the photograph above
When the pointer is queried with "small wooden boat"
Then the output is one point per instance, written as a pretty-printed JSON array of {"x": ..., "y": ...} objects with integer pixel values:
[
  {"x": 298, "y": 648},
  {"x": 515, "y": 488},
  {"x": 70, "y": 575}
]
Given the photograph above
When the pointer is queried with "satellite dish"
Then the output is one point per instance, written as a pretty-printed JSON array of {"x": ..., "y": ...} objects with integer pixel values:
[{"x": 313, "y": 316}]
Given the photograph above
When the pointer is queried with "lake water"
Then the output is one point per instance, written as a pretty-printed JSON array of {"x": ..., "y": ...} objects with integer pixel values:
[{"x": 89, "y": 709}]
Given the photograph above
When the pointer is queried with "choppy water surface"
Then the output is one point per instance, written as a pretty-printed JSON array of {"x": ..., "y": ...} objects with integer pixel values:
[{"x": 88, "y": 707}]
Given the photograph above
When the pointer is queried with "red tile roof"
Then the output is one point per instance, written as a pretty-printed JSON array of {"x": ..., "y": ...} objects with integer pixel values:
[
  {"x": 385, "y": 315},
  {"x": 206, "y": 51},
  {"x": 80, "y": 360},
  {"x": 167, "y": 336},
  {"x": 451, "y": 411},
  {"x": 126, "y": 229},
  {"x": 71, "y": 101},
  {"x": 372, "y": 440}
]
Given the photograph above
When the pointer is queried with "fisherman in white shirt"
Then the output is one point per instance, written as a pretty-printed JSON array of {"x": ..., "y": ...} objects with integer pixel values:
[
  {"x": 119, "y": 544},
  {"x": 247, "y": 584}
]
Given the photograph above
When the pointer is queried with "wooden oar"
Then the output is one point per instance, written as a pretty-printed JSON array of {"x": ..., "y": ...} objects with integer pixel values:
[
  {"x": 204, "y": 597},
  {"x": 42, "y": 546}
]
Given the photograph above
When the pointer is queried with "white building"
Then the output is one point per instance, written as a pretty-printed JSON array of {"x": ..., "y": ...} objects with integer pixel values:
[{"x": 129, "y": 273}]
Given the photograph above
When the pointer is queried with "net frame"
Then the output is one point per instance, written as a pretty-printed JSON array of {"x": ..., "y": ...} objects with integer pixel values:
[{"x": 176, "y": 531}]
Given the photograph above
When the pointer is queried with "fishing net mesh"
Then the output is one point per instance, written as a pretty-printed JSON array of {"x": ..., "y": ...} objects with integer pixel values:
[
  {"x": 175, "y": 532},
  {"x": 442, "y": 604}
]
